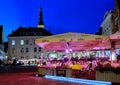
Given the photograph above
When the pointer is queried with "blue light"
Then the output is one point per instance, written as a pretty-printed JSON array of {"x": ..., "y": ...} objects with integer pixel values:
[{"x": 76, "y": 80}]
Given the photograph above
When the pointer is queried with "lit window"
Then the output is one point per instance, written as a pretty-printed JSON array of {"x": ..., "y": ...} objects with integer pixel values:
[
  {"x": 13, "y": 50},
  {"x": 13, "y": 42},
  {"x": 21, "y": 42}
]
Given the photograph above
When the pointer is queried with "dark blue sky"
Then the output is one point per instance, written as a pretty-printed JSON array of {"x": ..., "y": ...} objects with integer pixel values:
[{"x": 59, "y": 16}]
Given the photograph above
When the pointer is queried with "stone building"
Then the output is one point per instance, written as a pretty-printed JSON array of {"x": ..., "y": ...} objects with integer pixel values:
[
  {"x": 107, "y": 25},
  {"x": 21, "y": 42}
]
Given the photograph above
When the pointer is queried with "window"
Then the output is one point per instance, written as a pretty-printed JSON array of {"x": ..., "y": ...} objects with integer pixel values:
[
  {"x": 13, "y": 50},
  {"x": 27, "y": 42},
  {"x": 21, "y": 42},
  {"x": 22, "y": 57},
  {"x": 39, "y": 49},
  {"x": 27, "y": 50},
  {"x": 27, "y": 57},
  {"x": 35, "y": 49},
  {"x": 34, "y": 42},
  {"x": 22, "y": 50},
  {"x": 35, "y": 56},
  {"x": 13, "y": 42}
]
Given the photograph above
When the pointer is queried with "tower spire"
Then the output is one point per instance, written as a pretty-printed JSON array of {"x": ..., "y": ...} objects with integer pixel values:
[{"x": 41, "y": 23}]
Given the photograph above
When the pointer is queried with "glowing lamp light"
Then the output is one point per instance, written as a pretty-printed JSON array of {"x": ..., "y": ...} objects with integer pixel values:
[
  {"x": 66, "y": 50},
  {"x": 71, "y": 65},
  {"x": 39, "y": 65},
  {"x": 40, "y": 26},
  {"x": 54, "y": 65},
  {"x": 70, "y": 49}
]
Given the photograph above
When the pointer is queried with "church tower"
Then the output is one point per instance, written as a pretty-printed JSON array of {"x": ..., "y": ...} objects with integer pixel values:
[{"x": 41, "y": 23}]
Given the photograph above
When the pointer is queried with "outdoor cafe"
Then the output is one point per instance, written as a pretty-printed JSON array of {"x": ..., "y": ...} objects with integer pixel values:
[{"x": 77, "y": 54}]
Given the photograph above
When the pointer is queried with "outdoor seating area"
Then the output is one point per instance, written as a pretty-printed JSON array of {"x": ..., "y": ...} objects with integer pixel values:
[
  {"x": 90, "y": 55},
  {"x": 84, "y": 68}
]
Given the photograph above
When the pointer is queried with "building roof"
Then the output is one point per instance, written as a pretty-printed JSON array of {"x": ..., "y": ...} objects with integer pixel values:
[
  {"x": 107, "y": 13},
  {"x": 29, "y": 31}
]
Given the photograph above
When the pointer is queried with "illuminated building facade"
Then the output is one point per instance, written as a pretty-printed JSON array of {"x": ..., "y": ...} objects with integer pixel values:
[
  {"x": 21, "y": 43},
  {"x": 111, "y": 22},
  {"x": 116, "y": 18},
  {"x": 107, "y": 25}
]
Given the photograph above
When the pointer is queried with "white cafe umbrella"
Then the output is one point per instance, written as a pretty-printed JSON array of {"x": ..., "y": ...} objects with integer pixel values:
[
  {"x": 75, "y": 41},
  {"x": 116, "y": 38}
]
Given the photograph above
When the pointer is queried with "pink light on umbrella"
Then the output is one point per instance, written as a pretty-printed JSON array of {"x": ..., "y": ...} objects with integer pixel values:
[
  {"x": 70, "y": 50},
  {"x": 67, "y": 51}
]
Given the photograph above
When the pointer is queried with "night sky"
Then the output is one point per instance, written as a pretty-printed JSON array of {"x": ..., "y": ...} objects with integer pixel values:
[{"x": 84, "y": 16}]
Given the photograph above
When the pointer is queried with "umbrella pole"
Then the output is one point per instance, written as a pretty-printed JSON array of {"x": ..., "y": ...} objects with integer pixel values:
[
  {"x": 69, "y": 56},
  {"x": 112, "y": 52}
]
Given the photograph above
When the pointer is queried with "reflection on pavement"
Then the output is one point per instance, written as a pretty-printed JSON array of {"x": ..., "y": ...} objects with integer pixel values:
[{"x": 29, "y": 79}]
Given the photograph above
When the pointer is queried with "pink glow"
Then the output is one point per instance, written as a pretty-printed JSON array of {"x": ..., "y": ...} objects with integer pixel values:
[
  {"x": 70, "y": 49},
  {"x": 66, "y": 50}
]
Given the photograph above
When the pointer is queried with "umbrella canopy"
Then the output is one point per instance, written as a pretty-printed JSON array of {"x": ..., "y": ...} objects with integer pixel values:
[
  {"x": 116, "y": 38},
  {"x": 74, "y": 41}
]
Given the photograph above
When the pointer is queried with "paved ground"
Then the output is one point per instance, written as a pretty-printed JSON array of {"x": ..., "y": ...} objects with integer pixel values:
[
  {"x": 28, "y": 78},
  {"x": 14, "y": 69}
]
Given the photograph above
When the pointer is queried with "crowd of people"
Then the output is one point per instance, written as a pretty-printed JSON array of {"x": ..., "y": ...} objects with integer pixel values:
[
  {"x": 87, "y": 63},
  {"x": 85, "y": 67},
  {"x": 13, "y": 62}
]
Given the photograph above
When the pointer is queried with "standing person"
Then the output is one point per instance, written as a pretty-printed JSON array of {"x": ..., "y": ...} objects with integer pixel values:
[{"x": 14, "y": 62}]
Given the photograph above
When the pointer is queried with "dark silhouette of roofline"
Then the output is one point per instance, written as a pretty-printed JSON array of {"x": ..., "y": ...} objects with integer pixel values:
[{"x": 29, "y": 31}]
